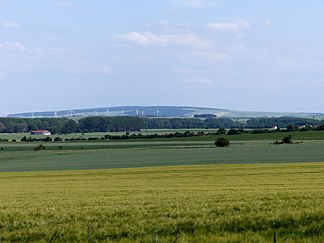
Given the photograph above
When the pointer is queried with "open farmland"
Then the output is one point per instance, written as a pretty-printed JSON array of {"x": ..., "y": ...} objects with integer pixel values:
[
  {"x": 298, "y": 135},
  {"x": 162, "y": 191},
  {"x": 207, "y": 203},
  {"x": 107, "y": 155}
]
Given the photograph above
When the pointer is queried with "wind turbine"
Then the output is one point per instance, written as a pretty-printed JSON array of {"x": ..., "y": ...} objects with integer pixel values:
[
  {"x": 70, "y": 113},
  {"x": 33, "y": 114},
  {"x": 5, "y": 113}
]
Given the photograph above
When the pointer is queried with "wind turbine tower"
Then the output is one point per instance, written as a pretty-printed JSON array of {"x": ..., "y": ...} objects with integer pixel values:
[
  {"x": 70, "y": 113},
  {"x": 5, "y": 113}
]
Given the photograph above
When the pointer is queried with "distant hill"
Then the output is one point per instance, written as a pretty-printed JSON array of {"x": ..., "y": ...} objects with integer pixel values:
[{"x": 160, "y": 111}]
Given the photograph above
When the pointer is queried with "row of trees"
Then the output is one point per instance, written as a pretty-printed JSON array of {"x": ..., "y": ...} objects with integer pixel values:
[
  {"x": 125, "y": 123},
  {"x": 55, "y": 125},
  {"x": 189, "y": 123},
  {"x": 281, "y": 122}
]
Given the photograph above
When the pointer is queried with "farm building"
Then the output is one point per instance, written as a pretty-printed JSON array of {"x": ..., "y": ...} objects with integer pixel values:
[{"x": 41, "y": 132}]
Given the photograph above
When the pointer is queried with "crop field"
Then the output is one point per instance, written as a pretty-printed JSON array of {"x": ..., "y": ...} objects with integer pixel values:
[
  {"x": 206, "y": 203},
  {"x": 298, "y": 135},
  {"x": 107, "y": 155},
  {"x": 168, "y": 190}
]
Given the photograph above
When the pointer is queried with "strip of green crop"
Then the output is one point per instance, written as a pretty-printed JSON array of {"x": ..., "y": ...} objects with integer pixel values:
[{"x": 79, "y": 156}]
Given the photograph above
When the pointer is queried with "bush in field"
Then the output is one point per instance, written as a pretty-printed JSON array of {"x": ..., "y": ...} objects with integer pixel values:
[
  {"x": 58, "y": 139},
  {"x": 222, "y": 142},
  {"x": 287, "y": 139},
  {"x": 39, "y": 147}
]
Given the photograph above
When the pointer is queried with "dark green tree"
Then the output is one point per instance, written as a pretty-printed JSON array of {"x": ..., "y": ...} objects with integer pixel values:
[
  {"x": 222, "y": 142},
  {"x": 48, "y": 139},
  {"x": 221, "y": 131},
  {"x": 287, "y": 139}
]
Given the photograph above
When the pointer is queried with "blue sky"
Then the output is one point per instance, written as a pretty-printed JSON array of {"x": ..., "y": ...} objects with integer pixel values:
[{"x": 241, "y": 55}]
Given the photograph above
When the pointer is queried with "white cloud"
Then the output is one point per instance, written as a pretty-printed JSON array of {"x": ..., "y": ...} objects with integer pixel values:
[
  {"x": 191, "y": 77},
  {"x": 66, "y": 60},
  {"x": 186, "y": 71},
  {"x": 192, "y": 3},
  {"x": 233, "y": 25},
  {"x": 82, "y": 67},
  {"x": 12, "y": 46},
  {"x": 10, "y": 25},
  {"x": 148, "y": 38},
  {"x": 101, "y": 68},
  {"x": 268, "y": 23},
  {"x": 199, "y": 80},
  {"x": 209, "y": 56},
  {"x": 65, "y": 4},
  {"x": 48, "y": 59},
  {"x": 196, "y": 3}
]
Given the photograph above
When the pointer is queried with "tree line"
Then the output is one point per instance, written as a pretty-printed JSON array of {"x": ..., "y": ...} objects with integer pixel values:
[{"x": 127, "y": 123}]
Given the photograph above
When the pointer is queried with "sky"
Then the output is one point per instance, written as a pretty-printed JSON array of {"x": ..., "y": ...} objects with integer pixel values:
[{"x": 241, "y": 55}]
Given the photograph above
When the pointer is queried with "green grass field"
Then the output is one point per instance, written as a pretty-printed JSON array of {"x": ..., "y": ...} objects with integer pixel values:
[
  {"x": 207, "y": 203},
  {"x": 107, "y": 155}
]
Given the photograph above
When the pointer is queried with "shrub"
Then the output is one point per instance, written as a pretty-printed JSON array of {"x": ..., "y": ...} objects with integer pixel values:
[
  {"x": 235, "y": 131},
  {"x": 48, "y": 139},
  {"x": 221, "y": 131},
  {"x": 222, "y": 142},
  {"x": 58, "y": 139},
  {"x": 287, "y": 139},
  {"x": 39, "y": 147}
]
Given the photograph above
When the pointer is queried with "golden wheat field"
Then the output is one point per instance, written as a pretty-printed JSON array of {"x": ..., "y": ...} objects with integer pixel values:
[{"x": 205, "y": 203}]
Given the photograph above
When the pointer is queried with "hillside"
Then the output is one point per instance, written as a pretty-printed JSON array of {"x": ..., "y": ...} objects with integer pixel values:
[{"x": 160, "y": 111}]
